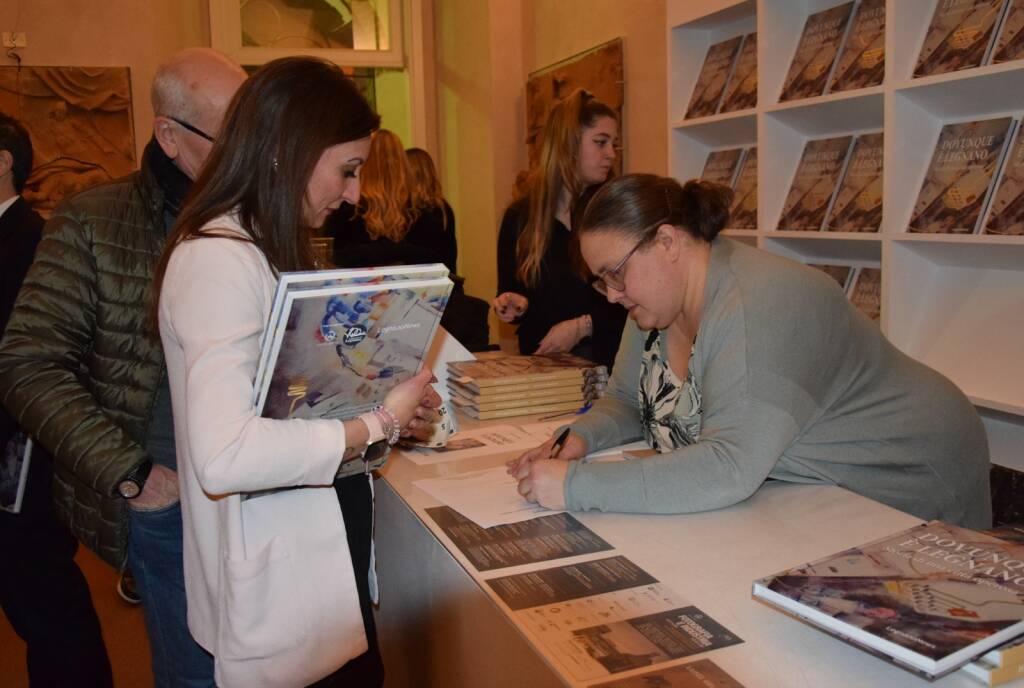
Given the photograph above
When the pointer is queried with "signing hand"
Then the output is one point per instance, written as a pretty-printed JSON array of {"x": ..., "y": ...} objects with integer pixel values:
[
  {"x": 509, "y": 306},
  {"x": 574, "y": 448},
  {"x": 543, "y": 482},
  {"x": 561, "y": 337}
]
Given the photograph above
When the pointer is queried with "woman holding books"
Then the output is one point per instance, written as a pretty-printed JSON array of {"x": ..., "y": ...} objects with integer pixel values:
[
  {"x": 538, "y": 287},
  {"x": 741, "y": 366},
  {"x": 277, "y": 550},
  {"x": 401, "y": 217}
]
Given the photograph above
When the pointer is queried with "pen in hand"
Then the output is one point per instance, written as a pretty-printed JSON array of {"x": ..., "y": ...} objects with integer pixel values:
[{"x": 557, "y": 446}]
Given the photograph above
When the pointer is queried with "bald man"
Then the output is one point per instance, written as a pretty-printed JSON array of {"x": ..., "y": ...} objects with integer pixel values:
[{"x": 83, "y": 372}]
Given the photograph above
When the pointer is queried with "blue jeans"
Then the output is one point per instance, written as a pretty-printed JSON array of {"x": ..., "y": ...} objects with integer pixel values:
[{"x": 155, "y": 557}]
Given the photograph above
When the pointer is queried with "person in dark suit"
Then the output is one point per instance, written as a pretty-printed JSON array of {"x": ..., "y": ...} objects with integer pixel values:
[{"x": 42, "y": 591}]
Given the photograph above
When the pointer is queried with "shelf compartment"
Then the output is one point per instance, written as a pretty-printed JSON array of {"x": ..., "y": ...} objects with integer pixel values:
[
  {"x": 835, "y": 113},
  {"x": 688, "y": 43},
  {"x": 825, "y": 247},
  {"x": 966, "y": 94},
  {"x": 1004, "y": 427},
  {"x": 980, "y": 251},
  {"x": 959, "y": 308},
  {"x": 690, "y": 145},
  {"x": 721, "y": 131}
]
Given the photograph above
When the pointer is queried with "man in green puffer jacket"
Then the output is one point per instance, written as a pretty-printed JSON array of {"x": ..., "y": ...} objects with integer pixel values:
[{"x": 83, "y": 372}]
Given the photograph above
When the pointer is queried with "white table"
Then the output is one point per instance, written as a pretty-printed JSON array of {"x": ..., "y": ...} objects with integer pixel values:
[{"x": 439, "y": 625}]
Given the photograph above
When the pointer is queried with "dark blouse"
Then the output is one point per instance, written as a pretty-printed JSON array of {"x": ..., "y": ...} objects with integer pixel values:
[
  {"x": 430, "y": 239},
  {"x": 559, "y": 294}
]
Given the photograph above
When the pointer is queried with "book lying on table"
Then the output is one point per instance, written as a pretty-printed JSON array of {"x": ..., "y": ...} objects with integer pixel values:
[
  {"x": 338, "y": 341},
  {"x": 513, "y": 370},
  {"x": 930, "y": 598}
]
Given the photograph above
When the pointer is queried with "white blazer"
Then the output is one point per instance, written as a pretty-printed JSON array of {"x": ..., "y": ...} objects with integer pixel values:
[{"x": 269, "y": 581}]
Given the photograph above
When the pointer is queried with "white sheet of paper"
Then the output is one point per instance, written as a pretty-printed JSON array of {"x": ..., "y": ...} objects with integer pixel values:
[
  {"x": 488, "y": 498},
  {"x": 469, "y": 444}
]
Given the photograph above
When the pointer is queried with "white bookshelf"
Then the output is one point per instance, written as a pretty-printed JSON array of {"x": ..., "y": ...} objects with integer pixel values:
[{"x": 954, "y": 302}]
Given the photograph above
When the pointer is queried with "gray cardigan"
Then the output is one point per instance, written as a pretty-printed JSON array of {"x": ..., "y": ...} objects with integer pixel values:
[{"x": 797, "y": 385}]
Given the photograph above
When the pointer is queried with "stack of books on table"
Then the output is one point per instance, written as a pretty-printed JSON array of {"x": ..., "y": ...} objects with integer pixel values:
[{"x": 507, "y": 386}]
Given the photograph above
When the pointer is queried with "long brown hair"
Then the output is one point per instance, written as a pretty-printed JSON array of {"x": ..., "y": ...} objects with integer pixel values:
[
  {"x": 424, "y": 187},
  {"x": 384, "y": 189},
  {"x": 279, "y": 123},
  {"x": 557, "y": 169}
]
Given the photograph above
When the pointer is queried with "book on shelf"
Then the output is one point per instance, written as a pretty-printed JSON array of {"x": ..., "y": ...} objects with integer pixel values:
[
  {"x": 815, "y": 183},
  {"x": 339, "y": 340},
  {"x": 722, "y": 166},
  {"x": 865, "y": 292},
  {"x": 815, "y": 55},
  {"x": 515, "y": 370},
  {"x": 743, "y": 213},
  {"x": 960, "y": 36},
  {"x": 741, "y": 91},
  {"x": 842, "y": 274},
  {"x": 930, "y": 598},
  {"x": 15, "y": 462},
  {"x": 958, "y": 182},
  {"x": 858, "y": 204},
  {"x": 861, "y": 63},
  {"x": 1006, "y": 212},
  {"x": 1010, "y": 44},
  {"x": 718, "y": 66}
]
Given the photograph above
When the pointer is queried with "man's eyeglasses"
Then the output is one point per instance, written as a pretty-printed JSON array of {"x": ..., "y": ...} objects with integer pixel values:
[
  {"x": 195, "y": 130},
  {"x": 615, "y": 276}
]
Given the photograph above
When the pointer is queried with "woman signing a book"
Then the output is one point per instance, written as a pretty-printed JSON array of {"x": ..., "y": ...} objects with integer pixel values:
[
  {"x": 537, "y": 288},
  {"x": 278, "y": 552},
  {"x": 740, "y": 366}
]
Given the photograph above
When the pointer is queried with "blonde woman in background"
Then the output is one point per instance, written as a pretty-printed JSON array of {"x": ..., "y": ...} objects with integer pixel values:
[
  {"x": 538, "y": 288},
  {"x": 400, "y": 219}
]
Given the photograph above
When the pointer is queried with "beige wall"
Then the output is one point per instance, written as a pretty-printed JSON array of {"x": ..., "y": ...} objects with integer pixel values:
[
  {"x": 485, "y": 50},
  {"x": 108, "y": 33},
  {"x": 557, "y": 29}
]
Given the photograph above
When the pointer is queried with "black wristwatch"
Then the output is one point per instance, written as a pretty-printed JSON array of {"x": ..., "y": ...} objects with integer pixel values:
[
  {"x": 131, "y": 485},
  {"x": 375, "y": 451}
]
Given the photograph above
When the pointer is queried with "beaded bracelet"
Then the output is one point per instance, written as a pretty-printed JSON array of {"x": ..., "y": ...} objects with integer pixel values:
[{"x": 389, "y": 421}]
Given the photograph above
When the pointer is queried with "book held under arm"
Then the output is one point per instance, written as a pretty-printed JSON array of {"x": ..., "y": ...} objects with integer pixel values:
[{"x": 930, "y": 598}]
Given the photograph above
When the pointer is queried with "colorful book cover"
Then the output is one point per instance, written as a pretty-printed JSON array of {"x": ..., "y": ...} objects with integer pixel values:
[
  {"x": 718, "y": 64},
  {"x": 866, "y": 292},
  {"x": 344, "y": 347},
  {"x": 862, "y": 62},
  {"x": 816, "y": 52},
  {"x": 958, "y": 181},
  {"x": 959, "y": 36},
  {"x": 814, "y": 184},
  {"x": 931, "y": 597},
  {"x": 840, "y": 273},
  {"x": 743, "y": 213},
  {"x": 858, "y": 206},
  {"x": 1010, "y": 44},
  {"x": 1006, "y": 215},
  {"x": 741, "y": 91},
  {"x": 509, "y": 370},
  {"x": 721, "y": 166}
]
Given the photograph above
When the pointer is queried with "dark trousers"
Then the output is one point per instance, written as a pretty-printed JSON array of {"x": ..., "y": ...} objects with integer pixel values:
[
  {"x": 44, "y": 594},
  {"x": 366, "y": 670}
]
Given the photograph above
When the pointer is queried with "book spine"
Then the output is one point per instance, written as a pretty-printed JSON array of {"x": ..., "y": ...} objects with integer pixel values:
[
  {"x": 851, "y": 18},
  {"x": 993, "y": 183},
  {"x": 736, "y": 171},
  {"x": 997, "y": 29},
  {"x": 728, "y": 77},
  {"x": 841, "y": 179}
]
